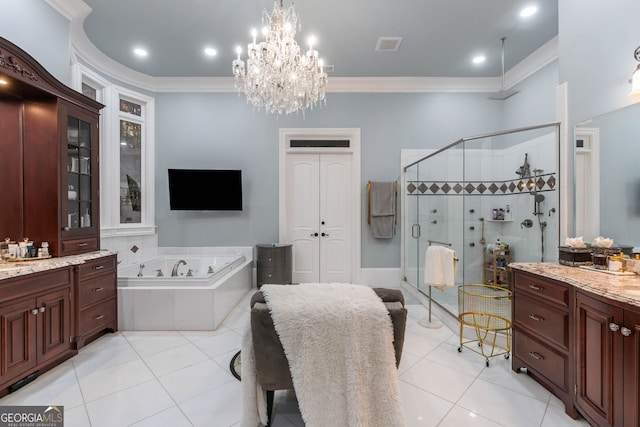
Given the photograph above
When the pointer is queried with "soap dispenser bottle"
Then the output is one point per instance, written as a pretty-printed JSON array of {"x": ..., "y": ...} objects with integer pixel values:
[{"x": 507, "y": 214}]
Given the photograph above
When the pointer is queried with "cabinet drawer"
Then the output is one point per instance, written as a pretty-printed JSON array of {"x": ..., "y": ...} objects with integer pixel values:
[
  {"x": 97, "y": 266},
  {"x": 545, "y": 321},
  {"x": 543, "y": 288},
  {"x": 542, "y": 359},
  {"x": 98, "y": 317},
  {"x": 274, "y": 256},
  {"x": 274, "y": 275},
  {"x": 96, "y": 289},
  {"x": 77, "y": 246}
]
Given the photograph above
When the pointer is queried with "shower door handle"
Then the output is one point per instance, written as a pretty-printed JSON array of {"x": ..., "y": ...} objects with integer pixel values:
[{"x": 415, "y": 231}]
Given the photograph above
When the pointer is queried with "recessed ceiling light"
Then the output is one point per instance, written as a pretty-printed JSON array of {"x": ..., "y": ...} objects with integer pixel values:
[
  {"x": 528, "y": 11},
  {"x": 209, "y": 51},
  {"x": 478, "y": 59},
  {"x": 3, "y": 82},
  {"x": 140, "y": 52}
]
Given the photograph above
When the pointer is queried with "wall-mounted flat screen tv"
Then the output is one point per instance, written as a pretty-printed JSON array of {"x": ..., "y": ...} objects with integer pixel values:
[{"x": 205, "y": 190}]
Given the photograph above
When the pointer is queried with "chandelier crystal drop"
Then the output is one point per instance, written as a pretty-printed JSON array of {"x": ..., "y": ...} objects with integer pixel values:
[{"x": 278, "y": 76}]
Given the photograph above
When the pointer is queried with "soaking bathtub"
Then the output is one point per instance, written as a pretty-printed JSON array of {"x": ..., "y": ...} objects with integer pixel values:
[{"x": 203, "y": 291}]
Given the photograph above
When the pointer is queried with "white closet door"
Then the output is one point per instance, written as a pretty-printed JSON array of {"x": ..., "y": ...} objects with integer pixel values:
[
  {"x": 303, "y": 208},
  {"x": 318, "y": 191},
  {"x": 335, "y": 217}
]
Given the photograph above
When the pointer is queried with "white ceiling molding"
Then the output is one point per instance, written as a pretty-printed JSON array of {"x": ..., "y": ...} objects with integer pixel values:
[
  {"x": 69, "y": 8},
  {"x": 544, "y": 55},
  {"x": 412, "y": 84},
  {"x": 77, "y": 11}
]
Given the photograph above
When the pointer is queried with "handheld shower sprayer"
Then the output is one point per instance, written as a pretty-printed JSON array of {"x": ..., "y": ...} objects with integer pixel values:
[{"x": 538, "y": 198}]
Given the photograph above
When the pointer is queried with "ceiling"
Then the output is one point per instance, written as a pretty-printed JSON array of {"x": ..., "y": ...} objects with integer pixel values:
[{"x": 439, "y": 37}]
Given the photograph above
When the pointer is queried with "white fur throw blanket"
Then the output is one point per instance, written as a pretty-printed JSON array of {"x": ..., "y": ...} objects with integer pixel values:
[{"x": 338, "y": 339}]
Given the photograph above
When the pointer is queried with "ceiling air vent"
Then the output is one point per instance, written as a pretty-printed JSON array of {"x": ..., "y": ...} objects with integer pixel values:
[
  {"x": 329, "y": 68},
  {"x": 388, "y": 44}
]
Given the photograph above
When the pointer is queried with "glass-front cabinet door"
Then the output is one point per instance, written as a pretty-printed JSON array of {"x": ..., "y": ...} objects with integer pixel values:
[
  {"x": 79, "y": 201},
  {"x": 80, "y": 181}
]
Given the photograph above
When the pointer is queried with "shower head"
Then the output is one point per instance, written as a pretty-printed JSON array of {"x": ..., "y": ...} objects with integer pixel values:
[{"x": 539, "y": 198}]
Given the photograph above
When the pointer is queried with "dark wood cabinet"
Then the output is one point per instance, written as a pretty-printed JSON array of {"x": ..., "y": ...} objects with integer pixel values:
[
  {"x": 36, "y": 323},
  {"x": 273, "y": 264},
  {"x": 543, "y": 334},
  {"x": 51, "y": 140},
  {"x": 96, "y": 308},
  {"x": 608, "y": 352}
]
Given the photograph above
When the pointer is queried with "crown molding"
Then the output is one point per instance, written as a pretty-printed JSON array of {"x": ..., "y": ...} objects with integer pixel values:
[
  {"x": 69, "y": 8},
  {"x": 541, "y": 57},
  {"x": 77, "y": 11}
]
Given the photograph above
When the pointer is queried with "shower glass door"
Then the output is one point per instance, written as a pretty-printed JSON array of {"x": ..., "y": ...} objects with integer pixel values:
[{"x": 412, "y": 228}]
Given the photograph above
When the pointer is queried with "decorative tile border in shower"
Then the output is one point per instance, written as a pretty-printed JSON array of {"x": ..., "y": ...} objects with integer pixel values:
[{"x": 545, "y": 182}]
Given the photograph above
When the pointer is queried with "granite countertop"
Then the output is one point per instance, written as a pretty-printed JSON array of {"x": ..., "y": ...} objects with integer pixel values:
[
  {"x": 15, "y": 269},
  {"x": 615, "y": 287}
]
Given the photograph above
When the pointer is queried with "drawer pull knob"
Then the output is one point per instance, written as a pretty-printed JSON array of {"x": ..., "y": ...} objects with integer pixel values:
[
  {"x": 536, "y": 355},
  {"x": 34, "y": 311},
  {"x": 98, "y": 267},
  {"x": 614, "y": 327},
  {"x": 535, "y": 287},
  {"x": 83, "y": 244},
  {"x": 98, "y": 289},
  {"x": 101, "y": 316},
  {"x": 536, "y": 318},
  {"x": 42, "y": 309},
  {"x": 625, "y": 331}
]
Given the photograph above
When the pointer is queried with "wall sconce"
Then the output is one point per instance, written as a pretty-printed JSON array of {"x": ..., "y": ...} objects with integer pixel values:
[{"x": 635, "y": 79}]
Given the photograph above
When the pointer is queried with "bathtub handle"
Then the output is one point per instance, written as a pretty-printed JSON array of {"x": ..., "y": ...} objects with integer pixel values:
[
  {"x": 99, "y": 317},
  {"x": 98, "y": 289}
]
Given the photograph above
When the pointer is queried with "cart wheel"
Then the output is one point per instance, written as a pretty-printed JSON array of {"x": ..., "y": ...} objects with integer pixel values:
[
  {"x": 506, "y": 356},
  {"x": 487, "y": 362},
  {"x": 459, "y": 349}
]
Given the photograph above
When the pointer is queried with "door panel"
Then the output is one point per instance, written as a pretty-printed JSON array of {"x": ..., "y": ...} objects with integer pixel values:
[
  {"x": 335, "y": 200},
  {"x": 18, "y": 326},
  {"x": 301, "y": 189}
]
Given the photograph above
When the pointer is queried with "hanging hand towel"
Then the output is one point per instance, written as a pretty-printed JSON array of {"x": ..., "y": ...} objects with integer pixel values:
[
  {"x": 440, "y": 267},
  {"x": 383, "y": 212}
]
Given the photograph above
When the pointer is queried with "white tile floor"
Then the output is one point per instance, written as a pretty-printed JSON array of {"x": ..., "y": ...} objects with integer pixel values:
[{"x": 182, "y": 379}]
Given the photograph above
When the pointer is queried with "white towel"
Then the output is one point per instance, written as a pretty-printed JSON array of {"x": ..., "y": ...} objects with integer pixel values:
[{"x": 440, "y": 267}]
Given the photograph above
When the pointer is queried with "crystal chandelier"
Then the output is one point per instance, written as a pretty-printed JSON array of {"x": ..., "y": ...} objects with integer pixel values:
[{"x": 278, "y": 77}]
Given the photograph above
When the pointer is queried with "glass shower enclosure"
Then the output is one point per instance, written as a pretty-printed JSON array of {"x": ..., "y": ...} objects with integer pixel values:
[{"x": 492, "y": 198}]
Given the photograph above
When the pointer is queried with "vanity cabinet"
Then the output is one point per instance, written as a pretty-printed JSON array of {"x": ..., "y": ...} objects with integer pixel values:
[
  {"x": 543, "y": 334},
  {"x": 50, "y": 134},
  {"x": 96, "y": 307},
  {"x": 36, "y": 324},
  {"x": 608, "y": 358}
]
